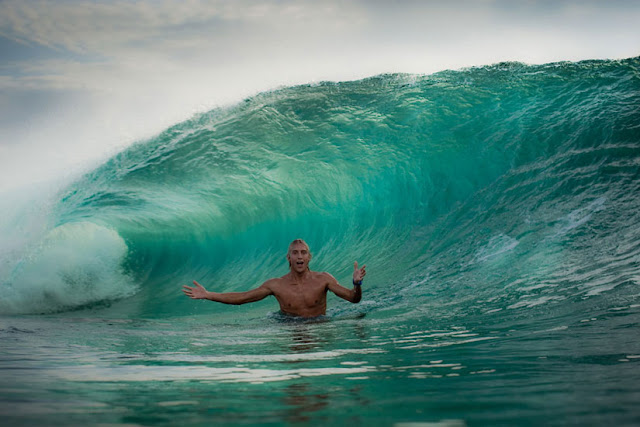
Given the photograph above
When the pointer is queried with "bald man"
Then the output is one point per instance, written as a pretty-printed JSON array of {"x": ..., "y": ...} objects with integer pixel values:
[{"x": 301, "y": 292}]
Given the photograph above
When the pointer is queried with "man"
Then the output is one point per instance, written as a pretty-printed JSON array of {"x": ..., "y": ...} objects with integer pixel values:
[{"x": 301, "y": 292}]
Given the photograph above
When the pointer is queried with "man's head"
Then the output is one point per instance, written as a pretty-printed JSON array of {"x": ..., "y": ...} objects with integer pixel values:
[{"x": 299, "y": 256}]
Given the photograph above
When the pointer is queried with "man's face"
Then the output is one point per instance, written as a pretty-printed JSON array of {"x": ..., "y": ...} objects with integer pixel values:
[{"x": 299, "y": 257}]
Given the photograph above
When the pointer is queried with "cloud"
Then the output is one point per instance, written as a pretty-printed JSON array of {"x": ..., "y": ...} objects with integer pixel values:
[
  {"x": 81, "y": 78},
  {"x": 94, "y": 27},
  {"x": 110, "y": 27},
  {"x": 115, "y": 41},
  {"x": 103, "y": 44}
]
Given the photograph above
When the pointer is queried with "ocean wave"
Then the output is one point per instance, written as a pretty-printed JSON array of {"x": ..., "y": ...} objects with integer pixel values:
[{"x": 464, "y": 182}]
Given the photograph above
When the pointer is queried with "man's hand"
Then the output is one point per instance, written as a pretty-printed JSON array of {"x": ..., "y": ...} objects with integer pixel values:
[
  {"x": 358, "y": 273},
  {"x": 197, "y": 292}
]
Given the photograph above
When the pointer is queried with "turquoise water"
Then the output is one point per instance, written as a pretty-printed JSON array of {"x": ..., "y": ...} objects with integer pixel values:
[{"x": 496, "y": 208}]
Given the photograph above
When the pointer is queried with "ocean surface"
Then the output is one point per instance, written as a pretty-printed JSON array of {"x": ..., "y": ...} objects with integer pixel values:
[{"x": 497, "y": 209}]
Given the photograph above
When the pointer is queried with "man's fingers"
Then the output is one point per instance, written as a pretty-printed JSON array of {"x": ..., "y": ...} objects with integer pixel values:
[
  {"x": 193, "y": 292},
  {"x": 189, "y": 292},
  {"x": 362, "y": 270}
]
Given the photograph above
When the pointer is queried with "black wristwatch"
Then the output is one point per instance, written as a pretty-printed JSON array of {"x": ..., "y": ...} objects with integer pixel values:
[{"x": 358, "y": 283}]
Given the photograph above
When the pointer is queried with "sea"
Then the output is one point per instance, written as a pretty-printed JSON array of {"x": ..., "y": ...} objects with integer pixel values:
[{"x": 497, "y": 209}]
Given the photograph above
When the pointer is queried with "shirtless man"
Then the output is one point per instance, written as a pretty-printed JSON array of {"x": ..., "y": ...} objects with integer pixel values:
[{"x": 301, "y": 292}]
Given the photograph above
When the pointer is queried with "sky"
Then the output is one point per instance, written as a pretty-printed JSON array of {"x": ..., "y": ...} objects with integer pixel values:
[{"x": 81, "y": 80}]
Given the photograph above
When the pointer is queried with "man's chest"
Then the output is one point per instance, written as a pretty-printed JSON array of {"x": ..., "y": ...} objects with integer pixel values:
[{"x": 309, "y": 293}]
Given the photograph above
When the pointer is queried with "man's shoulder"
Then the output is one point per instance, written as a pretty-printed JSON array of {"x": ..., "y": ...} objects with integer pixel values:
[
  {"x": 323, "y": 275},
  {"x": 275, "y": 281},
  {"x": 315, "y": 275}
]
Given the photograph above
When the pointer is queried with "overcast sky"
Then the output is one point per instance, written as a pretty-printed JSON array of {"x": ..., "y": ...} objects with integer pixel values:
[{"x": 82, "y": 79}]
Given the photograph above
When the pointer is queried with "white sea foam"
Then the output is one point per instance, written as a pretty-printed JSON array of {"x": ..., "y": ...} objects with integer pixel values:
[
  {"x": 257, "y": 358},
  {"x": 73, "y": 265},
  {"x": 534, "y": 302},
  {"x": 200, "y": 373},
  {"x": 497, "y": 246},
  {"x": 580, "y": 216}
]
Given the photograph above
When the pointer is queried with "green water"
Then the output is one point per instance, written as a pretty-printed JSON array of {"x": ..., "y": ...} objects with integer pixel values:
[
  {"x": 496, "y": 209},
  {"x": 378, "y": 369}
]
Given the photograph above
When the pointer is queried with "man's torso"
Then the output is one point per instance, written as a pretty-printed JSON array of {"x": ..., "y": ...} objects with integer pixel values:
[{"x": 306, "y": 298}]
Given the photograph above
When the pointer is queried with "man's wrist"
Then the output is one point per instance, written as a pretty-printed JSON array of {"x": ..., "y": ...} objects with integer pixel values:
[{"x": 358, "y": 283}]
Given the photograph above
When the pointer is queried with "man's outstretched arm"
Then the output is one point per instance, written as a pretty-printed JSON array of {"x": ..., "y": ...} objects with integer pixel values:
[
  {"x": 235, "y": 298},
  {"x": 353, "y": 295}
]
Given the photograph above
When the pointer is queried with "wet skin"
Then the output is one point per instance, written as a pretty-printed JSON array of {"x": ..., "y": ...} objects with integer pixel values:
[{"x": 301, "y": 292}]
